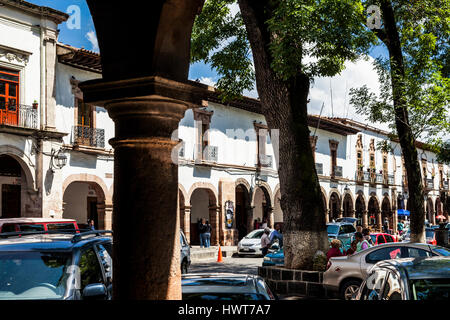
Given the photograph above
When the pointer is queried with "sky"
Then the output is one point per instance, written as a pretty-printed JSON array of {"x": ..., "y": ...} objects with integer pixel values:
[{"x": 79, "y": 31}]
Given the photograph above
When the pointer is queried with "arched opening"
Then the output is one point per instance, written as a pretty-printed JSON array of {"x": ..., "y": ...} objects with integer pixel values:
[
  {"x": 84, "y": 201},
  {"x": 11, "y": 187},
  {"x": 182, "y": 213},
  {"x": 334, "y": 206},
  {"x": 373, "y": 212},
  {"x": 242, "y": 220},
  {"x": 360, "y": 208},
  {"x": 386, "y": 212},
  {"x": 203, "y": 206},
  {"x": 348, "y": 205},
  {"x": 277, "y": 212},
  {"x": 438, "y": 207},
  {"x": 262, "y": 204}
]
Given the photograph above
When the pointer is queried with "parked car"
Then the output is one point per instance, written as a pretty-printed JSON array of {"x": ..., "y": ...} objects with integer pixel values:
[
  {"x": 185, "y": 253},
  {"x": 53, "y": 265},
  {"x": 380, "y": 238},
  {"x": 251, "y": 243},
  {"x": 37, "y": 224},
  {"x": 225, "y": 286},
  {"x": 274, "y": 258},
  {"x": 343, "y": 231},
  {"x": 347, "y": 219},
  {"x": 408, "y": 279},
  {"x": 429, "y": 235},
  {"x": 344, "y": 275}
]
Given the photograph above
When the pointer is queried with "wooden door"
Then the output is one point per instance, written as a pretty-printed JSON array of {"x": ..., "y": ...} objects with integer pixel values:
[
  {"x": 11, "y": 201},
  {"x": 9, "y": 97}
]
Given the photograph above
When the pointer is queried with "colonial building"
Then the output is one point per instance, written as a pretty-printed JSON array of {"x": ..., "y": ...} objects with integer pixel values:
[{"x": 55, "y": 159}]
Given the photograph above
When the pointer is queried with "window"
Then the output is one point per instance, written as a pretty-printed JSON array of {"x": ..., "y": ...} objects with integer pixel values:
[
  {"x": 417, "y": 253},
  {"x": 90, "y": 271},
  {"x": 347, "y": 229},
  {"x": 380, "y": 239},
  {"x": 9, "y": 90},
  {"x": 85, "y": 114},
  {"x": 389, "y": 238},
  {"x": 61, "y": 226},
  {"x": 9, "y": 227},
  {"x": 384, "y": 254},
  {"x": 31, "y": 227},
  {"x": 105, "y": 253},
  {"x": 431, "y": 289}
]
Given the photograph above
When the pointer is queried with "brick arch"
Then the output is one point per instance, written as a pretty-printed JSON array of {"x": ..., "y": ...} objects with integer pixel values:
[{"x": 24, "y": 162}]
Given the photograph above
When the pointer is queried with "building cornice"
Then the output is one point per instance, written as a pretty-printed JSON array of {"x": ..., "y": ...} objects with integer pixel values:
[{"x": 41, "y": 11}]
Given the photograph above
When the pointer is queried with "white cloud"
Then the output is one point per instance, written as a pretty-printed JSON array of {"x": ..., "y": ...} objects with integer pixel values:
[
  {"x": 208, "y": 81},
  {"x": 354, "y": 75},
  {"x": 92, "y": 37}
]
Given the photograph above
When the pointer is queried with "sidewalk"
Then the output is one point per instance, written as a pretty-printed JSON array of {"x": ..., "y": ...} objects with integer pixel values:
[{"x": 199, "y": 254}]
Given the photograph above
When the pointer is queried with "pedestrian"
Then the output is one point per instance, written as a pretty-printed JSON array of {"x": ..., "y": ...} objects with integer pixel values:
[
  {"x": 334, "y": 251},
  {"x": 276, "y": 235},
  {"x": 386, "y": 226},
  {"x": 265, "y": 241},
  {"x": 264, "y": 224},
  {"x": 400, "y": 227},
  {"x": 362, "y": 243},
  {"x": 201, "y": 232},
  {"x": 255, "y": 224},
  {"x": 353, "y": 247},
  {"x": 207, "y": 235},
  {"x": 366, "y": 236},
  {"x": 91, "y": 224}
]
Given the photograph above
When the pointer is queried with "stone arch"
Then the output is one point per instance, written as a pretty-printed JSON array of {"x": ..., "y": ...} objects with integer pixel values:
[
  {"x": 197, "y": 196},
  {"x": 24, "y": 162},
  {"x": 373, "y": 211},
  {"x": 360, "y": 209},
  {"x": 278, "y": 212},
  {"x": 324, "y": 199},
  {"x": 103, "y": 204},
  {"x": 429, "y": 208},
  {"x": 244, "y": 182},
  {"x": 334, "y": 205},
  {"x": 267, "y": 191},
  {"x": 243, "y": 214},
  {"x": 183, "y": 192},
  {"x": 348, "y": 208},
  {"x": 386, "y": 211},
  {"x": 438, "y": 207}
]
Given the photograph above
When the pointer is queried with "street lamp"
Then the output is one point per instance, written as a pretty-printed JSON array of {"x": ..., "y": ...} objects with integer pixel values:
[{"x": 58, "y": 159}]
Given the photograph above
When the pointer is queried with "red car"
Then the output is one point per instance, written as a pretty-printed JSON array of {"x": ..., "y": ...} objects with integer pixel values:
[
  {"x": 380, "y": 238},
  {"x": 37, "y": 224}
]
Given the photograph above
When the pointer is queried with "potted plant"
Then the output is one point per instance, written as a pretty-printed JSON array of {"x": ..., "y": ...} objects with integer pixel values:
[{"x": 35, "y": 104}]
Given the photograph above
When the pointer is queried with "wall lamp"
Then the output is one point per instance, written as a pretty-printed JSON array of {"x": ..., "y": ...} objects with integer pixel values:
[{"x": 58, "y": 159}]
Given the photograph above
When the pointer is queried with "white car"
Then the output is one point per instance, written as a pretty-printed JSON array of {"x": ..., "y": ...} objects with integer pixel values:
[{"x": 251, "y": 243}]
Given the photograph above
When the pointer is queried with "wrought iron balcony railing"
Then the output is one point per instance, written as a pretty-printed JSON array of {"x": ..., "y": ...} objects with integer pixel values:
[
  {"x": 87, "y": 136},
  {"x": 336, "y": 172},
  {"x": 319, "y": 168},
  {"x": 430, "y": 183},
  {"x": 265, "y": 160},
  {"x": 391, "y": 179},
  {"x": 446, "y": 184},
  {"x": 206, "y": 153},
  {"x": 22, "y": 116}
]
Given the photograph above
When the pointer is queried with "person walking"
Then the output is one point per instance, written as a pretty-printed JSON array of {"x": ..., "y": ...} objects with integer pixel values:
[
  {"x": 386, "y": 226},
  {"x": 362, "y": 243},
  {"x": 91, "y": 224},
  {"x": 207, "y": 235},
  {"x": 366, "y": 236},
  {"x": 201, "y": 232},
  {"x": 334, "y": 251},
  {"x": 265, "y": 241}
]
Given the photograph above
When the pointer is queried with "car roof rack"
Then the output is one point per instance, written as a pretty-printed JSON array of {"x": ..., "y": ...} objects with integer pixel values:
[
  {"x": 75, "y": 238},
  {"x": 79, "y": 236}
]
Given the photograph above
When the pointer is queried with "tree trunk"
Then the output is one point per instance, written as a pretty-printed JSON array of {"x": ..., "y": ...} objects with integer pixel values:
[
  {"x": 407, "y": 141},
  {"x": 284, "y": 105}
]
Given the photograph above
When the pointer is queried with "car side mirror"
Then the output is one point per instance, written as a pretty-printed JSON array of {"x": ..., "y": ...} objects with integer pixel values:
[{"x": 96, "y": 291}]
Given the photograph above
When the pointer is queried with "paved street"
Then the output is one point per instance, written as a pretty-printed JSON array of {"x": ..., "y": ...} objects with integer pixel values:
[{"x": 230, "y": 265}]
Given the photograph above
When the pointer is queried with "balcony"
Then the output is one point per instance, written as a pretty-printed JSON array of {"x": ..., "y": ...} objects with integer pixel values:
[
  {"x": 391, "y": 179},
  {"x": 265, "y": 160},
  {"x": 379, "y": 178},
  {"x": 366, "y": 177},
  {"x": 22, "y": 116},
  {"x": 446, "y": 185},
  {"x": 86, "y": 136},
  {"x": 430, "y": 183},
  {"x": 206, "y": 153},
  {"x": 337, "y": 172},
  {"x": 319, "y": 168}
]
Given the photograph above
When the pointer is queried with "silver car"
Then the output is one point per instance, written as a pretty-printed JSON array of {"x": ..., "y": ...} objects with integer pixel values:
[
  {"x": 251, "y": 243},
  {"x": 345, "y": 274}
]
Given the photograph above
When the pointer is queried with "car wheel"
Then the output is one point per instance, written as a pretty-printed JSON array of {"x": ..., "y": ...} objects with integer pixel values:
[
  {"x": 184, "y": 267},
  {"x": 349, "y": 288}
]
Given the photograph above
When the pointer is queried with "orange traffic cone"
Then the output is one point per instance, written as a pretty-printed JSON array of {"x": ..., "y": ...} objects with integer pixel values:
[{"x": 219, "y": 256}]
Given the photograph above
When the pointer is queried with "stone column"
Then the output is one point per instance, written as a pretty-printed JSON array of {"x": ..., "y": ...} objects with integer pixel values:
[
  {"x": 101, "y": 215},
  {"x": 250, "y": 217},
  {"x": 108, "y": 216},
  {"x": 394, "y": 221},
  {"x": 365, "y": 220},
  {"x": 340, "y": 213},
  {"x": 379, "y": 219},
  {"x": 214, "y": 217},
  {"x": 327, "y": 215},
  {"x": 271, "y": 220},
  {"x": 352, "y": 213},
  {"x": 187, "y": 222}
]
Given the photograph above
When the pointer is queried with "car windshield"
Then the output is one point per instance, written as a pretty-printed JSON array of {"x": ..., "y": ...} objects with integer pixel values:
[
  {"x": 332, "y": 229},
  {"x": 431, "y": 289},
  {"x": 223, "y": 296},
  {"x": 373, "y": 237},
  {"x": 33, "y": 275},
  {"x": 256, "y": 234}
]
